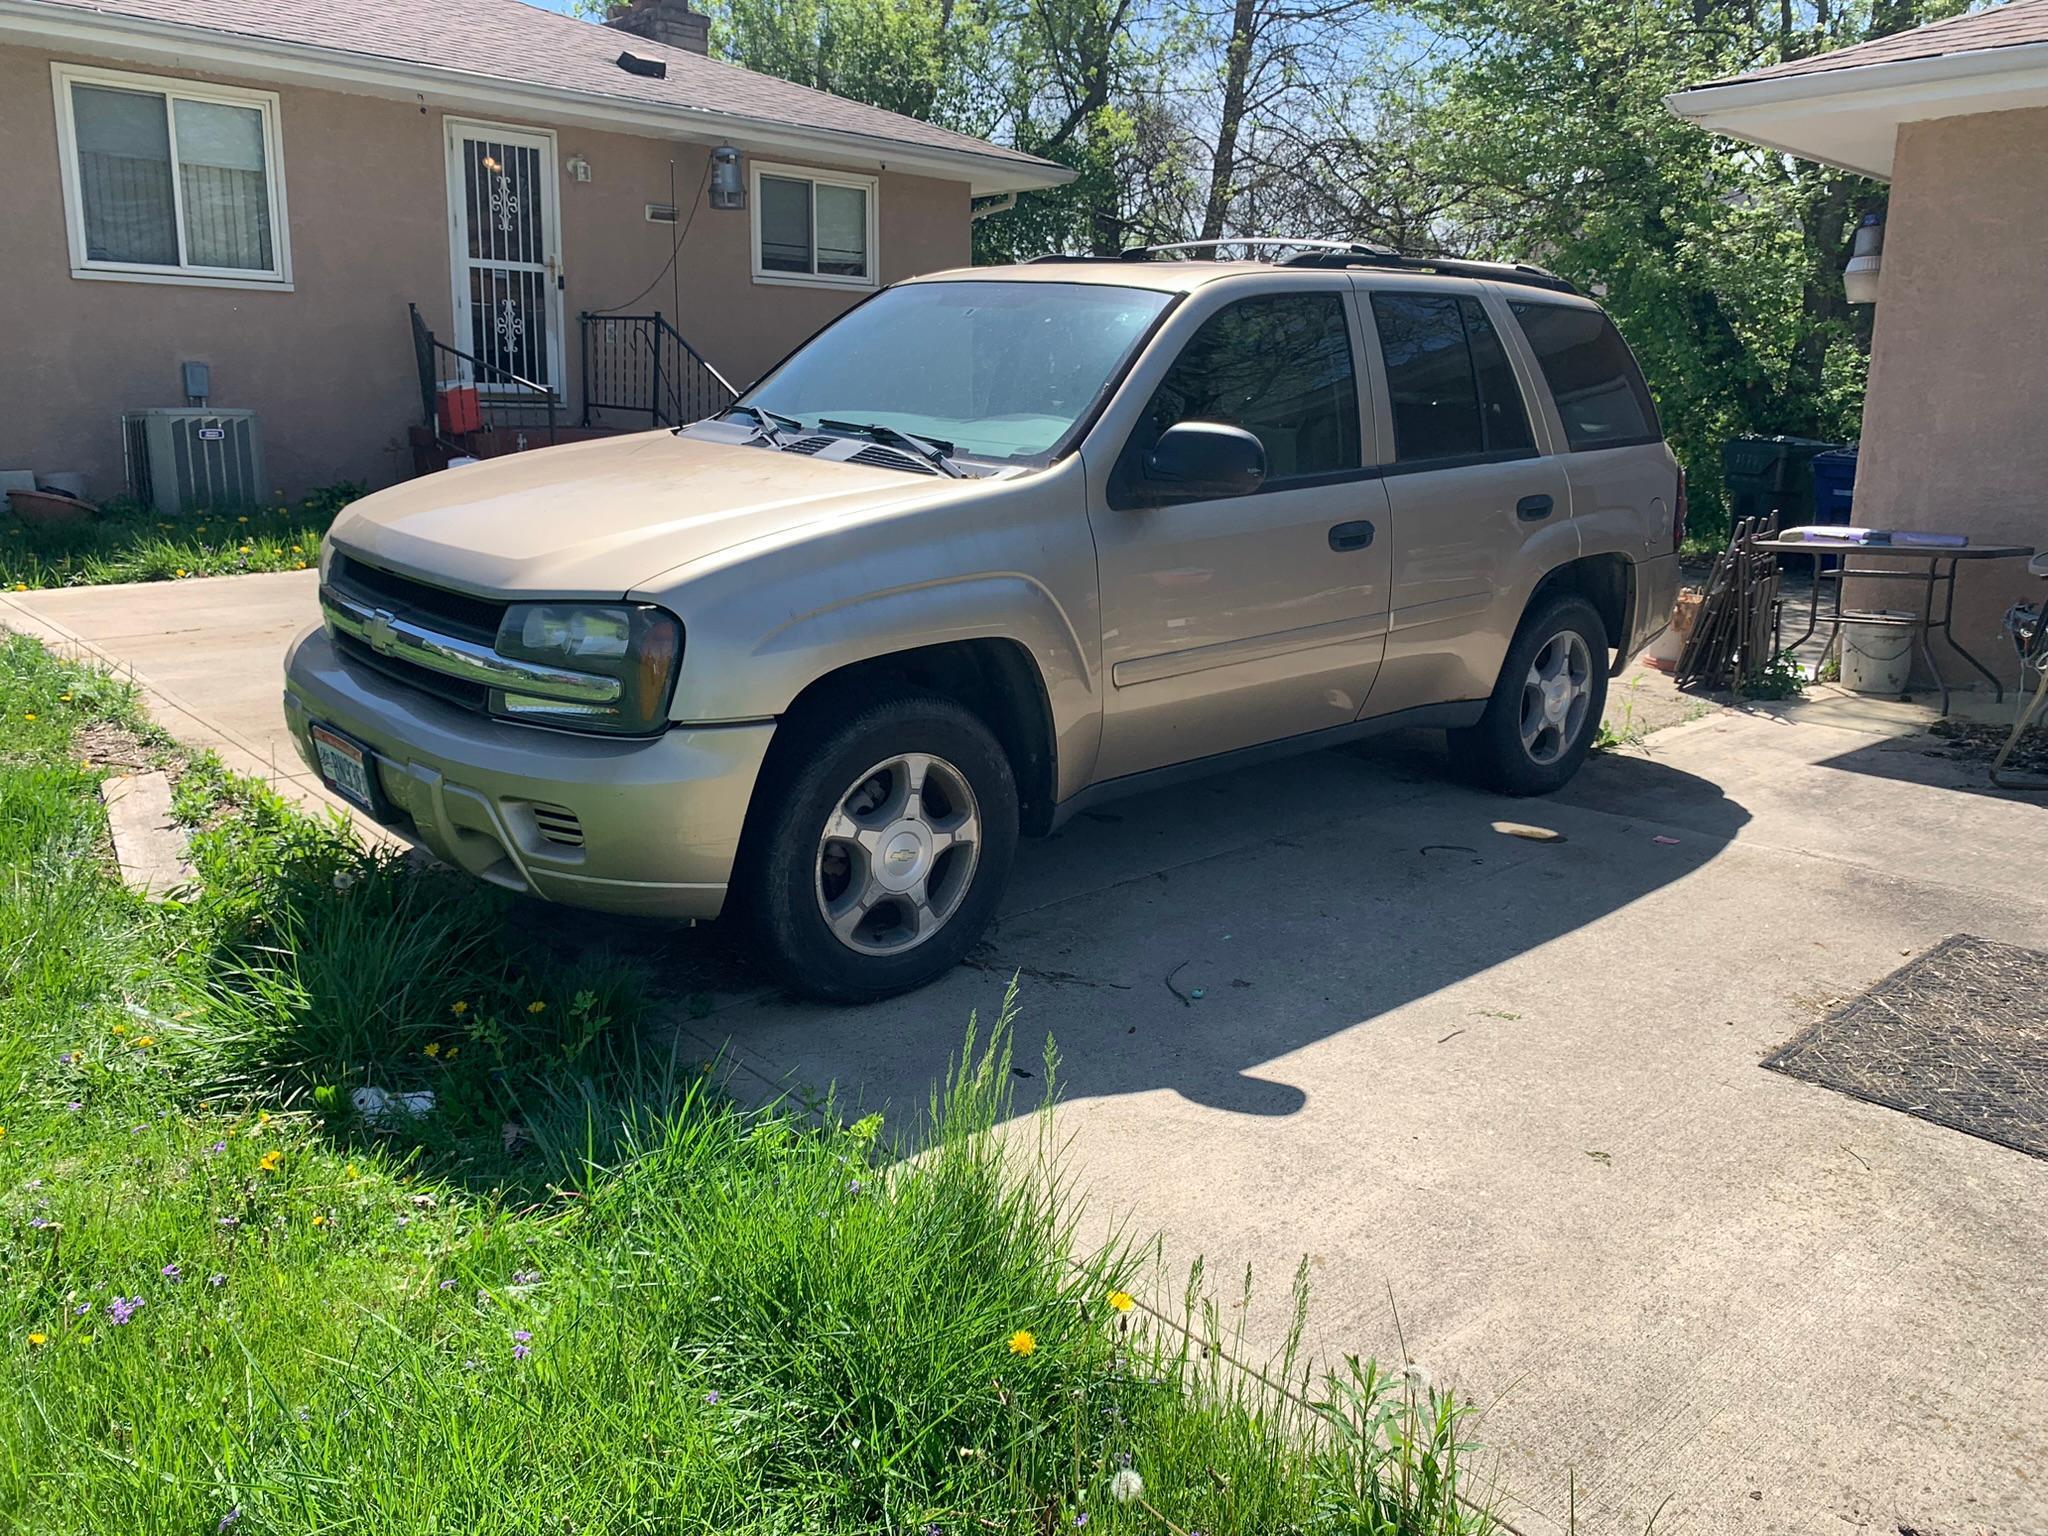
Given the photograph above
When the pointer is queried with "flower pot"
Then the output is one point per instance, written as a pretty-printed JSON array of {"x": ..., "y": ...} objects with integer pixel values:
[{"x": 49, "y": 509}]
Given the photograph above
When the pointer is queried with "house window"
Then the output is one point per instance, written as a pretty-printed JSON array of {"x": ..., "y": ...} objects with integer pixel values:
[
  {"x": 813, "y": 227},
  {"x": 169, "y": 181}
]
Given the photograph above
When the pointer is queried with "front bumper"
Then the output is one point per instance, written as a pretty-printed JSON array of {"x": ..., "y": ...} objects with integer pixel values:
[{"x": 647, "y": 825}]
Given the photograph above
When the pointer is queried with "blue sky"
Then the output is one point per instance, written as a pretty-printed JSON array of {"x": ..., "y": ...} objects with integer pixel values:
[{"x": 566, "y": 7}]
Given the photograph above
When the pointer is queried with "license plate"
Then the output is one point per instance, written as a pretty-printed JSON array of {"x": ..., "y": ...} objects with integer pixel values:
[{"x": 348, "y": 768}]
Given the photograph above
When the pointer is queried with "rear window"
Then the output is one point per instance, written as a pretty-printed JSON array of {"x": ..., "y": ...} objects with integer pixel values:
[{"x": 1598, "y": 388}]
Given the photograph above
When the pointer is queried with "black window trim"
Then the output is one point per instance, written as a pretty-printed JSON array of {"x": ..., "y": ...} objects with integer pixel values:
[{"x": 1656, "y": 433}]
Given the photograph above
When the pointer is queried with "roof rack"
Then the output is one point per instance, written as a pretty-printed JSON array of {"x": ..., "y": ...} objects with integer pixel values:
[{"x": 1333, "y": 255}]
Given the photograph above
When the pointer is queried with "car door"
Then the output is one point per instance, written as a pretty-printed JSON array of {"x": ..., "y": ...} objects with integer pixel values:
[
  {"x": 1479, "y": 505},
  {"x": 1235, "y": 621}
]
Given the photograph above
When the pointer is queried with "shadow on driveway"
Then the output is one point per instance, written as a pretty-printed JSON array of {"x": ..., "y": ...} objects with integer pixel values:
[{"x": 1187, "y": 938}]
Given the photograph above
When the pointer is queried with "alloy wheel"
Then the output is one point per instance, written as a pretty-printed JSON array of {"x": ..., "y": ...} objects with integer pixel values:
[
  {"x": 898, "y": 853},
  {"x": 1556, "y": 696}
]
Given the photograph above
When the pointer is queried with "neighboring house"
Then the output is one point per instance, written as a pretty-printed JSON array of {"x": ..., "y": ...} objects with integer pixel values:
[
  {"x": 265, "y": 186},
  {"x": 1955, "y": 116}
]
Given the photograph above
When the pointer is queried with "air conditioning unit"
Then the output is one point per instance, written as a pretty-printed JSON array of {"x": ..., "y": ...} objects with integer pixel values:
[{"x": 185, "y": 460}]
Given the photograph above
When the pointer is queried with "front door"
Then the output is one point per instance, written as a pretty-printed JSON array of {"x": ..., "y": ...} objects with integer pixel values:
[
  {"x": 506, "y": 238},
  {"x": 1228, "y": 623}
]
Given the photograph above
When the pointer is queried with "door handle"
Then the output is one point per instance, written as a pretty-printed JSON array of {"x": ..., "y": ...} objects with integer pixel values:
[
  {"x": 1532, "y": 509},
  {"x": 1349, "y": 536}
]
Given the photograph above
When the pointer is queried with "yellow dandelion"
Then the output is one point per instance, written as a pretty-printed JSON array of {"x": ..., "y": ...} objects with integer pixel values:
[
  {"x": 3, "y": 1133},
  {"x": 63, "y": 698},
  {"x": 21, "y": 586},
  {"x": 433, "y": 1048},
  {"x": 536, "y": 1006},
  {"x": 120, "y": 1029},
  {"x": 453, "y": 1052},
  {"x": 39, "y": 1339},
  {"x": 270, "y": 1160},
  {"x": 30, "y": 715},
  {"x": 1022, "y": 1343},
  {"x": 1121, "y": 1300},
  {"x": 263, "y": 1117},
  {"x": 144, "y": 1042},
  {"x": 241, "y": 519},
  {"x": 319, "y": 1221},
  {"x": 352, "y": 1171},
  {"x": 181, "y": 575},
  {"x": 458, "y": 1009}
]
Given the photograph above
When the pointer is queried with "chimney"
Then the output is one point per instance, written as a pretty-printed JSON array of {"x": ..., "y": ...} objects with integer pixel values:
[{"x": 664, "y": 21}]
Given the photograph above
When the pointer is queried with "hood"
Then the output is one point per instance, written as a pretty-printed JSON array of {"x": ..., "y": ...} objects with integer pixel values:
[{"x": 597, "y": 518}]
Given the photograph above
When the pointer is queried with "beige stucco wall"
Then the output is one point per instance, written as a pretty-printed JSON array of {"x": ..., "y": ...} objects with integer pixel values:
[
  {"x": 330, "y": 364},
  {"x": 1953, "y": 427}
]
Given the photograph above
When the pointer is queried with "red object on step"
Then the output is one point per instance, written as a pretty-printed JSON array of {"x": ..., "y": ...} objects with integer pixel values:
[{"x": 460, "y": 410}]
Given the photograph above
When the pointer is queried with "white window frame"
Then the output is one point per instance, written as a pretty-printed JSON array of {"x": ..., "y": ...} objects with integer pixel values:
[
  {"x": 816, "y": 178},
  {"x": 279, "y": 279}
]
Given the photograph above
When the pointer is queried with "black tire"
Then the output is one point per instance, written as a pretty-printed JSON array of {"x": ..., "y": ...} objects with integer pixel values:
[
  {"x": 816, "y": 762},
  {"x": 1493, "y": 753}
]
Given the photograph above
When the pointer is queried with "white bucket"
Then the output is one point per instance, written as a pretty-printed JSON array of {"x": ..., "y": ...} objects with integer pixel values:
[{"x": 1877, "y": 658}]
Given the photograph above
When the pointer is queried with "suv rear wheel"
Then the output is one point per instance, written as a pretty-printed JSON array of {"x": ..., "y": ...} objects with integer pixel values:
[
  {"x": 1546, "y": 708},
  {"x": 885, "y": 849}
]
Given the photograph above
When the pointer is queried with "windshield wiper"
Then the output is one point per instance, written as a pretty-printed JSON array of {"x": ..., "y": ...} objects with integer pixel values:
[
  {"x": 769, "y": 423},
  {"x": 932, "y": 452}
]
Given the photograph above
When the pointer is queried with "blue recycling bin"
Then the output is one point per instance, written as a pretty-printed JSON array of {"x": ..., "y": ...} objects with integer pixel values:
[{"x": 1834, "y": 487}]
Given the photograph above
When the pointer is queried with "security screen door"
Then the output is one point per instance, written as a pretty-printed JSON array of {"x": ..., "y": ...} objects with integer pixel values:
[{"x": 508, "y": 256}]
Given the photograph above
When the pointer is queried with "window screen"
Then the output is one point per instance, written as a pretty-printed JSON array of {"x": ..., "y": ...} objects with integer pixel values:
[
  {"x": 1599, "y": 390},
  {"x": 785, "y": 224},
  {"x": 1453, "y": 393},
  {"x": 818, "y": 228},
  {"x": 124, "y": 176},
  {"x": 1280, "y": 367}
]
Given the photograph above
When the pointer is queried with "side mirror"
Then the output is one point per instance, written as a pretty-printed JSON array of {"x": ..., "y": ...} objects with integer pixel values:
[{"x": 1203, "y": 460}]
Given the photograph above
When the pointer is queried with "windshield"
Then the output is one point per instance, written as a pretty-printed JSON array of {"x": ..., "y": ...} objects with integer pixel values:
[{"x": 997, "y": 370}]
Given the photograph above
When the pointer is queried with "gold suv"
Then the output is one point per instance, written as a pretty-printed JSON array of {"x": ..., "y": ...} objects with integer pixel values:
[{"x": 995, "y": 545}]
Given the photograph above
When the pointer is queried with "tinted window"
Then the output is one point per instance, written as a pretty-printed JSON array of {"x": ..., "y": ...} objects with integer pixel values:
[
  {"x": 1598, "y": 389},
  {"x": 1452, "y": 390},
  {"x": 1279, "y": 367}
]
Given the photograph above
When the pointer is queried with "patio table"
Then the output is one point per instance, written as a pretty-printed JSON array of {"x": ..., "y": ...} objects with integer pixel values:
[{"x": 1894, "y": 562}]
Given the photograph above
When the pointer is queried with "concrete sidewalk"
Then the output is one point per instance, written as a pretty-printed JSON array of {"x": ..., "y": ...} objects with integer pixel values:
[{"x": 1506, "y": 1089}]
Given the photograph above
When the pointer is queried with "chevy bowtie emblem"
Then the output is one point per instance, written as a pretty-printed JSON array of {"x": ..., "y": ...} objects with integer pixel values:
[{"x": 377, "y": 632}]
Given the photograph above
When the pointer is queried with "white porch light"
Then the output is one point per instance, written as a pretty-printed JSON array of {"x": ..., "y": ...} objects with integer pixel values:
[{"x": 1859, "y": 278}]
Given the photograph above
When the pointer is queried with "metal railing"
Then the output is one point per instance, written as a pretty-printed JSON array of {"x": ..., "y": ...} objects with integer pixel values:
[
  {"x": 640, "y": 365},
  {"x": 504, "y": 399}
]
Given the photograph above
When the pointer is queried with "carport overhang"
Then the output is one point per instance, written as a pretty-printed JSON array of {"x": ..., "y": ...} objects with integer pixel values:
[{"x": 1850, "y": 117}]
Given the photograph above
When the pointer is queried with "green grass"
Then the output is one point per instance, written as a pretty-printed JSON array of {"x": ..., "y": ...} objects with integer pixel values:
[
  {"x": 586, "y": 1293},
  {"x": 129, "y": 543}
]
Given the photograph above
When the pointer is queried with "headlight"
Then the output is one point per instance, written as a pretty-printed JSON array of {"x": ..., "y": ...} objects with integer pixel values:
[{"x": 638, "y": 645}]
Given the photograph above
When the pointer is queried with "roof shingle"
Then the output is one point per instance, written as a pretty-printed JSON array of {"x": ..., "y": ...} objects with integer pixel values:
[
  {"x": 2010, "y": 25},
  {"x": 512, "y": 41}
]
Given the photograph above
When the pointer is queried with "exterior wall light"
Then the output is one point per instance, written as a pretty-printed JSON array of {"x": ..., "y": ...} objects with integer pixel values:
[
  {"x": 728, "y": 190},
  {"x": 1859, "y": 278}
]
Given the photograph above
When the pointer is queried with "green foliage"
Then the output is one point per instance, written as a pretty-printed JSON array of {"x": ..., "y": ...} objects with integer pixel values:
[
  {"x": 229, "y": 1304},
  {"x": 129, "y": 542}
]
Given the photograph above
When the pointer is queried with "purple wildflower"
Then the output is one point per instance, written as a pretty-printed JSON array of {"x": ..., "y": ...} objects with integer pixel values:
[
  {"x": 216, "y": 1281},
  {"x": 83, "y": 1308},
  {"x": 447, "y": 1285},
  {"x": 121, "y": 1308},
  {"x": 64, "y": 1060},
  {"x": 1081, "y": 1521},
  {"x": 172, "y": 1272},
  {"x": 521, "y": 1336},
  {"x": 520, "y": 1351},
  {"x": 216, "y": 1149},
  {"x": 229, "y": 1519},
  {"x": 38, "y": 1223},
  {"x": 526, "y": 1277},
  {"x": 853, "y": 1186},
  {"x": 229, "y": 1221},
  {"x": 711, "y": 1398},
  {"x": 74, "y": 1106}
]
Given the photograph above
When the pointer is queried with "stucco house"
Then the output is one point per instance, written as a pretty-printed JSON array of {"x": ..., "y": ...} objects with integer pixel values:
[
  {"x": 271, "y": 189},
  {"x": 1955, "y": 117}
]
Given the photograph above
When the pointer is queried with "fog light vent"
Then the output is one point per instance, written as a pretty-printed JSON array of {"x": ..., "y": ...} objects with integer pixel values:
[{"x": 558, "y": 825}]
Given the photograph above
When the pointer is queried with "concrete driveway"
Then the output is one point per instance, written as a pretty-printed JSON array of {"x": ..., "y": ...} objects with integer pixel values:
[{"x": 1505, "y": 1091}]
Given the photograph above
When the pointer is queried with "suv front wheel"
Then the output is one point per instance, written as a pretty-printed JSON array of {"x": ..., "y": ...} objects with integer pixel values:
[
  {"x": 1546, "y": 708},
  {"x": 885, "y": 850}
]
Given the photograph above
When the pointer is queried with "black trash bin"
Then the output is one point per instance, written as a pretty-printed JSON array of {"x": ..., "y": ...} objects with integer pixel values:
[{"x": 1771, "y": 474}]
